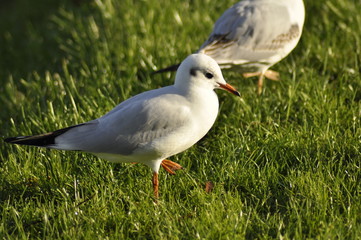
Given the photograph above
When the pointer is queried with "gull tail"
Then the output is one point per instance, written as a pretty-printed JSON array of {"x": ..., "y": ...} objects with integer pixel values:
[
  {"x": 172, "y": 68},
  {"x": 46, "y": 140}
]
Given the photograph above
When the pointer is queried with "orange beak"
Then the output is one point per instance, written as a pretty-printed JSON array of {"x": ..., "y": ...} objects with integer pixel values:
[{"x": 229, "y": 88}]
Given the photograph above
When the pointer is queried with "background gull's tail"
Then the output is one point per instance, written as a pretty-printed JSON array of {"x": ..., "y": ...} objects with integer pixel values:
[{"x": 172, "y": 68}]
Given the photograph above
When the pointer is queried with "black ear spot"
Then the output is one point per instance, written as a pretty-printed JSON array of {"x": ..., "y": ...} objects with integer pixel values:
[
  {"x": 193, "y": 72},
  {"x": 209, "y": 75}
]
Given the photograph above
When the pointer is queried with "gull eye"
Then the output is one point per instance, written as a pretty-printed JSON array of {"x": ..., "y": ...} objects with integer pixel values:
[{"x": 209, "y": 75}]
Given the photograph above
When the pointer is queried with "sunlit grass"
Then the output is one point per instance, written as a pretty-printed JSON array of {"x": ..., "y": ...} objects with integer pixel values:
[{"x": 284, "y": 165}]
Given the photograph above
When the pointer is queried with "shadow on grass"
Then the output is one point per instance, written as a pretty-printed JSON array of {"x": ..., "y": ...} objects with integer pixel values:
[{"x": 28, "y": 36}]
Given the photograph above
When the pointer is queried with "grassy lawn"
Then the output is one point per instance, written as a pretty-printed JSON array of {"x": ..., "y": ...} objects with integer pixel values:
[{"x": 285, "y": 165}]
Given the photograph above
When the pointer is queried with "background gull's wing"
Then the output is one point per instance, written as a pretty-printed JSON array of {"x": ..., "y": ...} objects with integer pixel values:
[{"x": 249, "y": 32}]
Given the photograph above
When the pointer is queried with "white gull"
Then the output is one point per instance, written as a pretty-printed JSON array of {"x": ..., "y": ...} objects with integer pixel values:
[{"x": 151, "y": 126}]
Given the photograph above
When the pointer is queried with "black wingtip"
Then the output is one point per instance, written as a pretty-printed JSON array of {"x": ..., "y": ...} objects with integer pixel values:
[
  {"x": 172, "y": 68},
  {"x": 13, "y": 139},
  {"x": 42, "y": 140}
]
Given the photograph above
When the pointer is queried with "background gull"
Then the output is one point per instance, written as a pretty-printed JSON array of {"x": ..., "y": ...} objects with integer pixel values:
[
  {"x": 253, "y": 35},
  {"x": 151, "y": 126}
]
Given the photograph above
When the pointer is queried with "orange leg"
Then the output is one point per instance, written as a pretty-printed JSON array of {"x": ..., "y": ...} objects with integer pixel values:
[
  {"x": 155, "y": 186},
  {"x": 272, "y": 75},
  {"x": 251, "y": 74},
  {"x": 170, "y": 166},
  {"x": 260, "y": 80},
  {"x": 260, "y": 84}
]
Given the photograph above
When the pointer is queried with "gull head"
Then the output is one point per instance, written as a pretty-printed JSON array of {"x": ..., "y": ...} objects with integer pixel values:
[{"x": 200, "y": 70}]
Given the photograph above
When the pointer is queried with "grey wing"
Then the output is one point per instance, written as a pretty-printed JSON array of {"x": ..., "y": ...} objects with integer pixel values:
[
  {"x": 128, "y": 127},
  {"x": 251, "y": 32}
]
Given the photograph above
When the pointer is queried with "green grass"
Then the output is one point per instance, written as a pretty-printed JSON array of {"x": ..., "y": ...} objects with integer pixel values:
[{"x": 285, "y": 165}]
